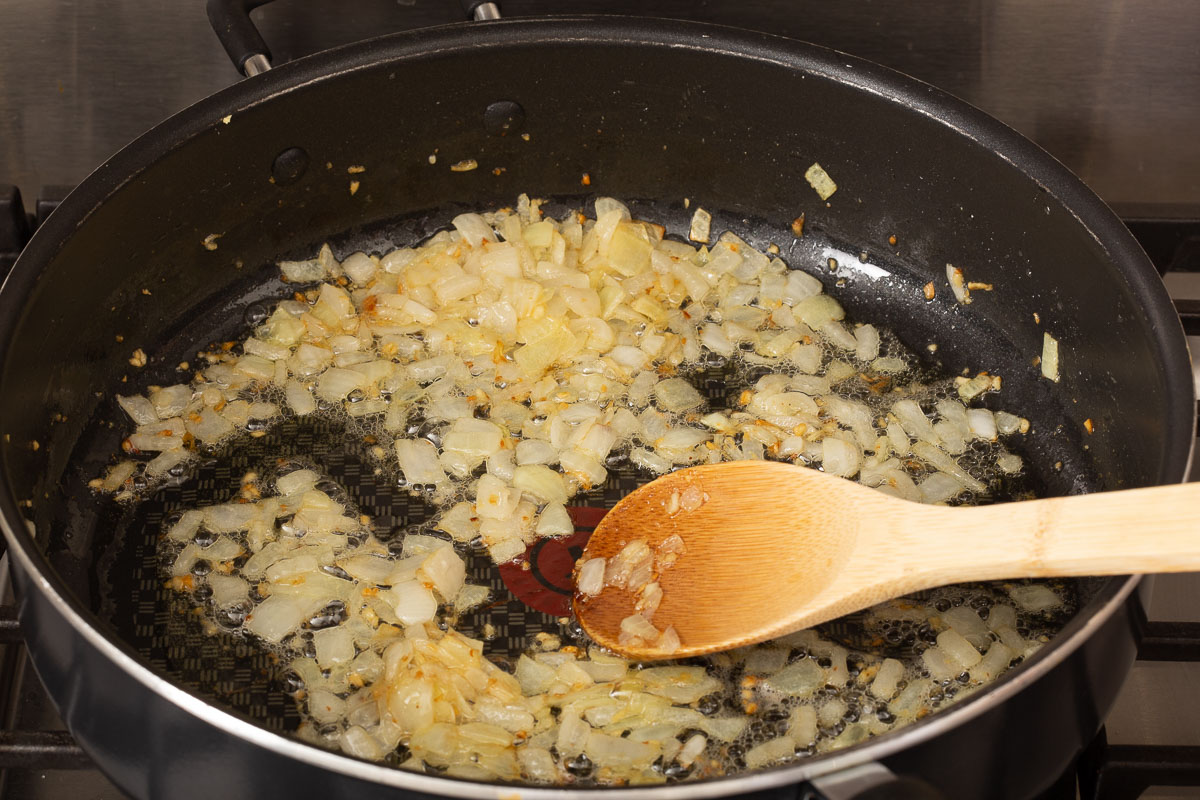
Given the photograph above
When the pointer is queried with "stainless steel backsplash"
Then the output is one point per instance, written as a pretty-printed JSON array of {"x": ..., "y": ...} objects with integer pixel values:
[{"x": 1110, "y": 87}]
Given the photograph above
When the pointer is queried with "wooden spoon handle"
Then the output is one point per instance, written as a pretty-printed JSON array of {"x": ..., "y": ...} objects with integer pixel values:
[{"x": 1156, "y": 529}]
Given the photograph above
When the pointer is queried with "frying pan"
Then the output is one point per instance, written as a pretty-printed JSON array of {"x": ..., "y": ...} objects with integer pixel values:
[{"x": 653, "y": 112}]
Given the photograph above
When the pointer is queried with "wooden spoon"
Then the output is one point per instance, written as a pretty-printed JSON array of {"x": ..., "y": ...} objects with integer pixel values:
[{"x": 774, "y": 548}]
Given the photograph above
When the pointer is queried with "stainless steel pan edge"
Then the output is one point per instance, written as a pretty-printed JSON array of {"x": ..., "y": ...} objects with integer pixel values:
[{"x": 54, "y": 618}]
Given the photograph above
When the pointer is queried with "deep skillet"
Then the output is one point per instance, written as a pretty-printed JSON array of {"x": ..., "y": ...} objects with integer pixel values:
[{"x": 652, "y": 111}]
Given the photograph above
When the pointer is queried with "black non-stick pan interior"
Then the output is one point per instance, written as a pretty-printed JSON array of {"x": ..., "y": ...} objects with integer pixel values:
[{"x": 730, "y": 124}]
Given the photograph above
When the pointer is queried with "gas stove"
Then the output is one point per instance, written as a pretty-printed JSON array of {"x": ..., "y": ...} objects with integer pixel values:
[{"x": 1109, "y": 88}]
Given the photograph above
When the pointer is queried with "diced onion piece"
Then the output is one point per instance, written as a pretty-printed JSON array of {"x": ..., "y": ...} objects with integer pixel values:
[
  {"x": 692, "y": 748},
  {"x": 867, "y": 343},
  {"x": 798, "y": 679},
  {"x": 1049, "y": 357},
  {"x": 535, "y": 451},
  {"x": 583, "y": 468},
  {"x": 940, "y": 665},
  {"x": 541, "y": 483},
  {"x": 1007, "y": 423},
  {"x": 186, "y": 527},
  {"x": 229, "y": 517},
  {"x": 1034, "y": 597},
  {"x": 839, "y": 335},
  {"x": 819, "y": 179},
  {"x": 334, "y": 646},
  {"x": 636, "y": 629},
  {"x": 800, "y": 285},
  {"x": 573, "y": 735},
  {"x": 982, "y": 423},
  {"x": 228, "y": 590},
  {"x": 534, "y": 678},
  {"x": 591, "y": 577},
  {"x": 355, "y": 741},
  {"x": 117, "y": 475},
  {"x": 495, "y": 500},
  {"x": 887, "y": 679},
  {"x": 817, "y": 310},
  {"x": 965, "y": 621},
  {"x": 445, "y": 571},
  {"x": 325, "y": 706},
  {"x": 365, "y": 567},
  {"x": 308, "y": 271},
  {"x": 939, "y": 487},
  {"x": 414, "y": 604},
  {"x": 958, "y": 284},
  {"x": 994, "y": 662},
  {"x": 171, "y": 401},
  {"x": 471, "y": 596},
  {"x": 726, "y": 729},
  {"x": 1001, "y": 616},
  {"x": 299, "y": 398},
  {"x": 167, "y": 461},
  {"x": 770, "y": 752},
  {"x": 802, "y": 725},
  {"x": 945, "y": 463},
  {"x": 958, "y": 648},
  {"x": 418, "y": 460},
  {"x": 279, "y": 615},
  {"x": 1009, "y": 463},
  {"x": 649, "y": 461},
  {"x": 840, "y": 456},
  {"x": 459, "y": 522},
  {"x": 473, "y": 229},
  {"x": 677, "y": 394},
  {"x": 668, "y": 641},
  {"x": 634, "y": 557},
  {"x": 554, "y": 522},
  {"x": 359, "y": 267},
  {"x": 537, "y": 764},
  {"x": 968, "y": 389},
  {"x": 914, "y": 422},
  {"x": 701, "y": 224},
  {"x": 297, "y": 481}
]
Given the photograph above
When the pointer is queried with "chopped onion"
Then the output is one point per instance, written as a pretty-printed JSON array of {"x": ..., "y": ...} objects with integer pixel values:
[
  {"x": 279, "y": 615},
  {"x": 554, "y": 522},
  {"x": 840, "y": 456},
  {"x": 1009, "y": 463},
  {"x": 591, "y": 577},
  {"x": 677, "y": 394},
  {"x": 958, "y": 284},
  {"x": 701, "y": 220},
  {"x": 1034, "y": 597},
  {"x": 414, "y": 603},
  {"x": 799, "y": 679},
  {"x": 1049, "y": 357},
  {"x": 939, "y": 460},
  {"x": 819, "y": 179},
  {"x": 517, "y": 343},
  {"x": 958, "y": 649},
  {"x": 418, "y": 460},
  {"x": 333, "y": 646},
  {"x": 770, "y": 752},
  {"x": 887, "y": 679}
]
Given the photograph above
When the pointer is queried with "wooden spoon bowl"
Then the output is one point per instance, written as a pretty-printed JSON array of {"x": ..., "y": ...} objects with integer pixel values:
[{"x": 773, "y": 548}]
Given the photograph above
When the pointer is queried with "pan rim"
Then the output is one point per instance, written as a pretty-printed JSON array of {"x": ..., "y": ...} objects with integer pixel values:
[{"x": 397, "y": 49}]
